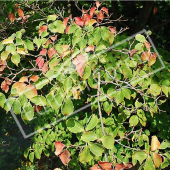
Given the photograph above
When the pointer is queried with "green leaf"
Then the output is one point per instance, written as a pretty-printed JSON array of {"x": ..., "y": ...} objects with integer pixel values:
[
  {"x": 108, "y": 141},
  {"x": 8, "y": 104},
  {"x": 88, "y": 136},
  {"x": 28, "y": 112},
  {"x": 105, "y": 33},
  {"x": 126, "y": 93},
  {"x": 107, "y": 107},
  {"x": 37, "y": 41},
  {"x": 29, "y": 44},
  {"x": 133, "y": 121},
  {"x": 39, "y": 100},
  {"x": 87, "y": 72},
  {"x": 165, "y": 89},
  {"x": 164, "y": 145},
  {"x": 11, "y": 48},
  {"x": 155, "y": 89},
  {"x": 67, "y": 84},
  {"x": 85, "y": 155},
  {"x": 60, "y": 27},
  {"x": 15, "y": 59},
  {"x": 97, "y": 35},
  {"x": 31, "y": 157},
  {"x": 68, "y": 107},
  {"x": 118, "y": 96},
  {"x": 140, "y": 38},
  {"x": 127, "y": 72},
  {"x": 40, "y": 83},
  {"x": 138, "y": 104},
  {"x": 149, "y": 164},
  {"x": 51, "y": 17},
  {"x": 96, "y": 149},
  {"x": 140, "y": 156},
  {"x": 16, "y": 107},
  {"x": 2, "y": 99},
  {"x": 26, "y": 152},
  {"x": 23, "y": 100},
  {"x": 100, "y": 47},
  {"x": 82, "y": 43},
  {"x": 74, "y": 126},
  {"x": 73, "y": 28},
  {"x": 37, "y": 154},
  {"x": 4, "y": 55},
  {"x": 18, "y": 34},
  {"x": 111, "y": 93},
  {"x": 19, "y": 41},
  {"x": 139, "y": 47},
  {"x": 92, "y": 123}
]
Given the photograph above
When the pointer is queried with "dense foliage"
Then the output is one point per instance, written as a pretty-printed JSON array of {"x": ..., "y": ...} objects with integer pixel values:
[{"x": 108, "y": 89}]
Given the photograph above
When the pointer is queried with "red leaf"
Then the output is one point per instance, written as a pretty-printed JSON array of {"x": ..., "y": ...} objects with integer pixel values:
[
  {"x": 5, "y": 85},
  {"x": 152, "y": 59},
  {"x": 59, "y": 147},
  {"x": 38, "y": 108},
  {"x": 133, "y": 52},
  {"x": 65, "y": 21},
  {"x": 79, "y": 61},
  {"x": 98, "y": 4},
  {"x": 85, "y": 12},
  {"x": 89, "y": 48},
  {"x": 119, "y": 167},
  {"x": 86, "y": 18},
  {"x": 67, "y": 29},
  {"x": 92, "y": 11},
  {"x": 45, "y": 67},
  {"x": 34, "y": 78},
  {"x": 155, "y": 10},
  {"x": 100, "y": 16},
  {"x": 43, "y": 52},
  {"x": 42, "y": 28},
  {"x": 145, "y": 56},
  {"x": 95, "y": 167},
  {"x": 11, "y": 16},
  {"x": 157, "y": 159},
  {"x": 3, "y": 65},
  {"x": 104, "y": 9},
  {"x": 48, "y": 42},
  {"x": 65, "y": 157},
  {"x": 105, "y": 165},
  {"x": 51, "y": 52},
  {"x": 79, "y": 21},
  {"x": 16, "y": 5},
  {"x": 53, "y": 38},
  {"x": 112, "y": 29},
  {"x": 40, "y": 62},
  {"x": 20, "y": 13}
]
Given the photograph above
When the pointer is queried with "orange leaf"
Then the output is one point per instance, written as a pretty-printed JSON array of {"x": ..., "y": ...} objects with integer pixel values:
[
  {"x": 119, "y": 167},
  {"x": 155, "y": 10},
  {"x": 98, "y": 4},
  {"x": 40, "y": 62},
  {"x": 38, "y": 108},
  {"x": 92, "y": 11},
  {"x": 45, "y": 67},
  {"x": 42, "y": 28},
  {"x": 152, "y": 59},
  {"x": 3, "y": 65},
  {"x": 5, "y": 85},
  {"x": 34, "y": 78},
  {"x": 105, "y": 165},
  {"x": 145, "y": 56},
  {"x": 48, "y": 42},
  {"x": 11, "y": 16},
  {"x": 89, "y": 48},
  {"x": 30, "y": 91},
  {"x": 157, "y": 159},
  {"x": 79, "y": 21},
  {"x": 65, "y": 157},
  {"x": 16, "y": 5},
  {"x": 53, "y": 38},
  {"x": 65, "y": 21},
  {"x": 65, "y": 47},
  {"x": 147, "y": 45},
  {"x": 91, "y": 22},
  {"x": 67, "y": 29},
  {"x": 43, "y": 52},
  {"x": 51, "y": 52},
  {"x": 112, "y": 29},
  {"x": 133, "y": 52},
  {"x": 95, "y": 167},
  {"x": 20, "y": 13},
  {"x": 100, "y": 16},
  {"x": 86, "y": 18},
  {"x": 128, "y": 165},
  {"x": 58, "y": 147},
  {"x": 155, "y": 144},
  {"x": 104, "y": 9},
  {"x": 20, "y": 87},
  {"x": 23, "y": 79}
]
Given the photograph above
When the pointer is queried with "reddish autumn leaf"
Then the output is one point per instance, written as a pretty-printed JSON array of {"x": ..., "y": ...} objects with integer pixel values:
[
  {"x": 20, "y": 87},
  {"x": 5, "y": 85},
  {"x": 43, "y": 52},
  {"x": 155, "y": 144},
  {"x": 38, "y": 108},
  {"x": 48, "y": 42},
  {"x": 58, "y": 147},
  {"x": 42, "y": 28},
  {"x": 95, "y": 167},
  {"x": 3, "y": 65},
  {"x": 30, "y": 91},
  {"x": 89, "y": 48},
  {"x": 11, "y": 16},
  {"x": 20, "y": 13},
  {"x": 157, "y": 159},
  {"x": 98, "y": 4},
  {"x": 147, "y": 45},
  {"x": 34, "y": 78},
  {"x": 105, "y": 165},
  {"x": 105, "y": 10},
  {"x": 133, "y": 52},
  {"x": 23, "y": 79},
  {"x": 40, "y": 62},
  {"x": 16, "y": 5},
  {"x": 92, "y": 11},
  {"x": 65, "y": 157},
  {"x": 67, "y": 29},
  {"x": 100, "y": 16},
  {"x": 112, "y": 29},
  {"x": 79, "y": 21},
  {"x": 86, "y": 18},
  {"x": 85, "y": 12},
  {"x": 45, "y": 67},
  {"x": 119, "y": 166},
  {"x": 152, "y": 59},
  {"x": 51, "y": 52},
  {"x": 145, "y": 56},
  {"x": 53, "y": 38},
  {"x": 65, "y": 21},
  {"x": 155, "y": 10}
]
